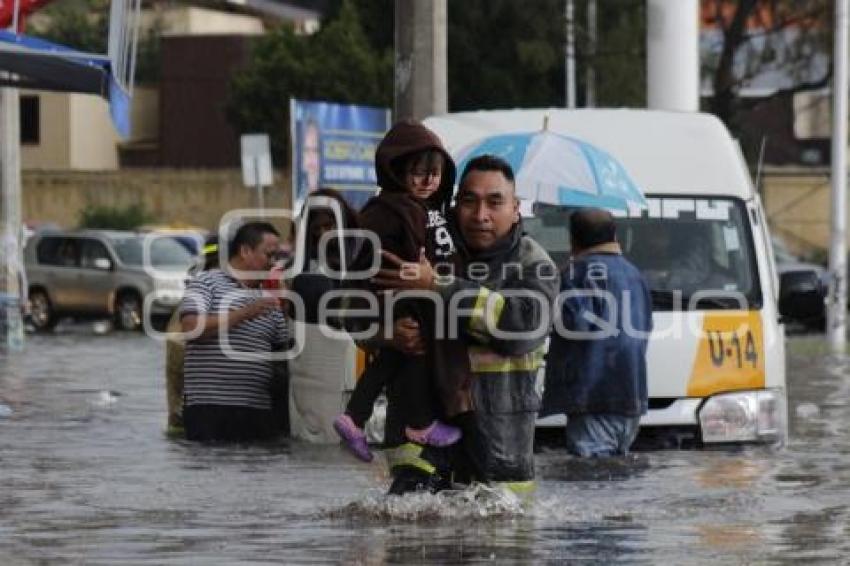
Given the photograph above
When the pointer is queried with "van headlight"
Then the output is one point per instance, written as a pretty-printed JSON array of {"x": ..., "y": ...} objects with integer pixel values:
[{"x": 744, "y": 416}]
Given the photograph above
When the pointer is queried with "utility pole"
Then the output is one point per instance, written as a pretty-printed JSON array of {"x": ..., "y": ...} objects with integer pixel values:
[
  {"x": 672, "y": 55},
  {"x": 421, "y": 85},
  {"x": 590, "y": 71},
  {"x": 570, "y": 56},
  {"x": 837, "y": 310},
  {"x": 11, "y": 325}
]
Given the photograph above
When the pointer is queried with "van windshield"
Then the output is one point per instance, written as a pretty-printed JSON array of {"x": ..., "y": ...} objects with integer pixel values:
[
  {"x": 165, "y": 252},
  {"x": 693, "y": 252}
]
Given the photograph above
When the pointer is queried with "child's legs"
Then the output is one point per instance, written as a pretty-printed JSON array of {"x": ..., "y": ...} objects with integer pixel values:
[
  {"x": 416, "y": 394},
  {"x": 370, "y": 384}
]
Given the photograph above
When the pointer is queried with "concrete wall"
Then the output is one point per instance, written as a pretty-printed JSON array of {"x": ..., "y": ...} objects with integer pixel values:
[
  {"x": 53, "y": 150},
  {"x": 796, "y": 200},
  {"x": 193, "y": 197},
  {"x": 93, "y": 139},
  {"x": 201, "y": 21},
  {"x": 76, "y": 132},
  {"x": 191, "y": 20}
]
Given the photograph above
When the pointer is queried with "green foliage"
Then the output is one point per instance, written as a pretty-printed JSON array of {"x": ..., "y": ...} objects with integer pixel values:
[
  {"x": 501, "y": 54},
  {"x": 505, "y": 54},
  {"x": 148, "y": 55},
  {"x": 81, "y": 24},
  {"x": 376, "y": 20},
  {"x": 620, "y": 58},
  {"x": 336, "y": 64},
  {"x": 84, "y": 25},
  {"x": 115, "y": 218}
]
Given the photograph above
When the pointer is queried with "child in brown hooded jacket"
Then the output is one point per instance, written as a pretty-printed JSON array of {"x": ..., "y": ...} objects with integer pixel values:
[{"x": 416, "y": 176}]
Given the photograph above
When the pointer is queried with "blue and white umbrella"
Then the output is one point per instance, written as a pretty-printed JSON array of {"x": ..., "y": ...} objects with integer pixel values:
[{"x": 555, "y": 169}]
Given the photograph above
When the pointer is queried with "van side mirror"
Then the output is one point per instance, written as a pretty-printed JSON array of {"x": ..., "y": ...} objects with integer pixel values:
[
  {"x": 102, "y": 263},
  {"x": 801, "y": 295}
]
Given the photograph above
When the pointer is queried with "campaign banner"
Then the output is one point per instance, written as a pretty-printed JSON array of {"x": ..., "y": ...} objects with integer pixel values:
[{"x": 333, "y": 145}]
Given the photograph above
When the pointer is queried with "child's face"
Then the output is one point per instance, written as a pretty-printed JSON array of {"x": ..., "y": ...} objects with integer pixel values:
[{"x": 423, "y": 178}]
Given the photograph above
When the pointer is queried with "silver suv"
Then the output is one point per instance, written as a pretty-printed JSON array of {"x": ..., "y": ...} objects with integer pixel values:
[{"x": 97, "y": 273}]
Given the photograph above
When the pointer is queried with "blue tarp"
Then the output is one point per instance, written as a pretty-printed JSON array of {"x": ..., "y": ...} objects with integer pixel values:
[{"x": 43, "y": 65}]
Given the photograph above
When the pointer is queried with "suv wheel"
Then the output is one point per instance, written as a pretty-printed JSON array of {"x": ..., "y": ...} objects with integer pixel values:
[
  {"x": 128, "y": 311},
  {"x": 42, "y": 316}
]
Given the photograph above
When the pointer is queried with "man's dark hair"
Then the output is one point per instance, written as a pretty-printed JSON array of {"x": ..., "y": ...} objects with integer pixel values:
[
  {"x": 592, "y": 226},
  {"x": 487, "y": 163},
  {"x": 251, "y": 235}
]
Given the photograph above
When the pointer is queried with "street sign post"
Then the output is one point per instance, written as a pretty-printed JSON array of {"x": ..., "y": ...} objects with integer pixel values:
[{"x": 256, "y": 163}]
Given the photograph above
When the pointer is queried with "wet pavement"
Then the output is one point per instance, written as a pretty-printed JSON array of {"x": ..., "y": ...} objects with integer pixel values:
[{"x": 88, "y": 476}]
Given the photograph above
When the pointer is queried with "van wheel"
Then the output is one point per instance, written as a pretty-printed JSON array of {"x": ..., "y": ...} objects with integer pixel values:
[
  {"x": 42, "y": 316},
  {"x": 128, "y": 311}
]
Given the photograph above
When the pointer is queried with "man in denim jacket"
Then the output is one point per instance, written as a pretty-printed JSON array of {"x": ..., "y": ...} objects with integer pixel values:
[{"x": 596, "y": 365}]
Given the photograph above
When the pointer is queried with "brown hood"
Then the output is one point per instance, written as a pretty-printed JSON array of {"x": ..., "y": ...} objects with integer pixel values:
[{"x": 406, "y": 137}]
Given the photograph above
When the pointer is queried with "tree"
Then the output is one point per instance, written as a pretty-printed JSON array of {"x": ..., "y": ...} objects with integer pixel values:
[
  {"x": 84, "y": 25},
  {"x": 81, "y": 24},
  {"x": 376, "y": 19},
  {"x": 337, "y": 64},
  {"x": 508, "y": 54},
  {"x": 501, "y": 54},
  {"x": 505, "y": 54},
  {"x": 758, "y": 35},
  {"x": 619, "y": 58}
]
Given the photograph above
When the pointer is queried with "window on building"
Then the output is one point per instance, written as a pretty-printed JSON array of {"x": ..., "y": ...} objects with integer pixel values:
[{"x": 30, "y": 120}]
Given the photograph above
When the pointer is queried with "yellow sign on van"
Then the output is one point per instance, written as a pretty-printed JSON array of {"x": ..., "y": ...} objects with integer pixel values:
[{"x": 730, "y": 355}]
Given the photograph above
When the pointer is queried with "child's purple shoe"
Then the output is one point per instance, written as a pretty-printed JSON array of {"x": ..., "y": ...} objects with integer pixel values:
[
  {"x": 436, "y": 434},
  {"x": 353, "y": 437}
]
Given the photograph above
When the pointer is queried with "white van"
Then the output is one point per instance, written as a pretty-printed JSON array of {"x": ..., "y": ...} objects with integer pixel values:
[
  {"x": 717, "y": 354},
  {"x": 716, "y": 358}
]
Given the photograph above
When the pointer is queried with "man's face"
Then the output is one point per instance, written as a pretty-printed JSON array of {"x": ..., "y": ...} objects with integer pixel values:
[
  {"x": 261, "y": 258},
  {"x": 310, "y": 157},
  {"x": 486, "y": 208}
]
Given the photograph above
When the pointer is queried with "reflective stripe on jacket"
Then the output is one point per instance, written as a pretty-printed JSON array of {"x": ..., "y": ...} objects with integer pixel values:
[{"x": 504, "y": 313}]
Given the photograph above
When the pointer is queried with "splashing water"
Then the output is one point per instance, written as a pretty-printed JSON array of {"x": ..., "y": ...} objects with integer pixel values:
[
  {"x": 807, "y": 410},
  {"x": 105, "y": 398},
  {"x": 477, "y": 501}
]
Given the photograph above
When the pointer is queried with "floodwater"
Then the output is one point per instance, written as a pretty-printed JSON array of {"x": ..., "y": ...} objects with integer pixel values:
[{"x": 89, "y": 477}]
